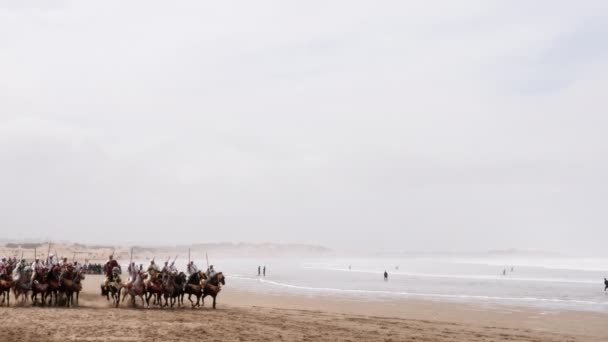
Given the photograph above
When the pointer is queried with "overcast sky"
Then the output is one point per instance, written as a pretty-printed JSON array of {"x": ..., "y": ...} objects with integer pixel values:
[{"x": 383, "y": 125}]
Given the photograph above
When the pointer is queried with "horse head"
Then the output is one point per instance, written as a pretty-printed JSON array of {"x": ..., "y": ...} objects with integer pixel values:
[{"x": 221, "y": 278}]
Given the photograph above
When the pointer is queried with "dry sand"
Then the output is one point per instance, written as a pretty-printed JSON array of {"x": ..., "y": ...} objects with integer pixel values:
[{"x": 243, "y": 316}]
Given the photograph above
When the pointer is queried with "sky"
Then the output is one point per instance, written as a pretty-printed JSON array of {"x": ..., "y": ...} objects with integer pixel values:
[{"x": 364, "y": 125}]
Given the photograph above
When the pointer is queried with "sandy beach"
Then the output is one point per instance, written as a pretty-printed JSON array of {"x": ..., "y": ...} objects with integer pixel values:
[{"x": 245, "y": 316}]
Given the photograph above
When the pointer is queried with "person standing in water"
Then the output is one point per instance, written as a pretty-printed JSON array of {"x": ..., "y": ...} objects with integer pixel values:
[
  {"x": 264, "y": 270},
  {"x": 259, "y": 268},
  {"x": 605, "y": 284},
  {"x": 504, "y": 272},
  {"x": 385, "y": 275}
]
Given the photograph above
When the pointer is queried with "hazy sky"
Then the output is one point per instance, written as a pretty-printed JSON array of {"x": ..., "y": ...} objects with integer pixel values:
[{"x": 384, "y": 125}]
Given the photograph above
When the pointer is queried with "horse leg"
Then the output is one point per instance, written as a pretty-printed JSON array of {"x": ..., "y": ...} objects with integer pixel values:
[
  {"x": 117, "y": 297},
  {"x": 190, "y": 299},
  {"x": 213, "y": 302}
]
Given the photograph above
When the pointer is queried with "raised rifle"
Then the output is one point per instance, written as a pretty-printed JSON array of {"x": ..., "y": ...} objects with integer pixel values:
[{"x": 48, "y": 254}]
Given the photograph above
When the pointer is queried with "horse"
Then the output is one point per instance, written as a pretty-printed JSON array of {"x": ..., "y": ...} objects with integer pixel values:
[
  {"x": 78, "y": 278},
  {"x": 154, "y": 288},
  {"x": 212, "y": 286},
  {"x": 22, "y": 285},
  {"x": 113, "y": 288},
  {"x": 167, "y": 289},
  {"x": 52, "y": 279},
  {"x": 68, "y": 285},
  {"x": 178, "y": 292},
  {"x": 6, "y": 283},
  {"x": 39, "y": 286},
  {"x": 173, "y": 287},
  {"x": 195, "y": 287},
  {"x": 136, "y": 289}
]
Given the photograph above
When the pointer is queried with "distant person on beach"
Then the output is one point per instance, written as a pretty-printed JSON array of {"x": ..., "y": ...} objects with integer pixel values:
[
  {"x": 259, "y": 270},
  {"x": 264, "y": 271},
  {"x": 605, "y": 284},
  {"x": 504, "y": 272},
  {"x": 511, "y": 269},
  {"x": 385, "y": 275}
]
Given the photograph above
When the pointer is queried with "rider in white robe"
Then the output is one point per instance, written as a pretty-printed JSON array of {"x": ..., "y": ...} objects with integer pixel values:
[{"x": 18, "y": 270}]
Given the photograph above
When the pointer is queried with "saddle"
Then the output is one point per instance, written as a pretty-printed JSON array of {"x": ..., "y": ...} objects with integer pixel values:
[{"x": 155, "y": 286}]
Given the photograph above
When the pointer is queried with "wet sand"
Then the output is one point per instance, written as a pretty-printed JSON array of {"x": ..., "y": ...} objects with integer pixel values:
[{"x": 244, "y": 316}]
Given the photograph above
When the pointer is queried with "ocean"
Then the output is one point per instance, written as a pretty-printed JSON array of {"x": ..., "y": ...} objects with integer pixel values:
[{"x": 549, "y": 283}]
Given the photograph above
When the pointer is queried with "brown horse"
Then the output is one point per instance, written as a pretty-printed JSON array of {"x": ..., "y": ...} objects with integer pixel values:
[
  {"x": 68, "y": 285},
  {"x": 39, "y": 286},
  {"x": 6, "y": 283},
  {"x": 136, "y": 289},
  {"x": 156, "y": 290},
  {"x": 212, "y": 287},
  {"x": 78, "y": 278}
]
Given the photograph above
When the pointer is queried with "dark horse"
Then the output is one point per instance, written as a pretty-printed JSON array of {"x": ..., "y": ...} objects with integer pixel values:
[
  {"x": 39, "y": 286},
  {"x": 173, "y": 288},
  {"x": 52, "y": 279},
  {"x": 195, "y": 287},
  {"x": 212, "y": 286}
]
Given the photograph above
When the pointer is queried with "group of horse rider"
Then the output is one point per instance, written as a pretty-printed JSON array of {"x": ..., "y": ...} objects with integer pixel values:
[
  {"x": 18, "y": 267},
  {"x": 153, "y": 270}
]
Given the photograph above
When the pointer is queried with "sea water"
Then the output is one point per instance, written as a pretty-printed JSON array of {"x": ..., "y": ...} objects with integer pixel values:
[{"x": 551, "y": 283}]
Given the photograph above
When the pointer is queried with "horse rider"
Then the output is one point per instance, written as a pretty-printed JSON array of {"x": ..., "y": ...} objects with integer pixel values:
[
  {"x": 173, "y": 268},
  {"x": 153, "y": 266},
  {"x": 191, "y": 270},
  {"x": 165, "y": 271},
  {"x": 36, "y": 266},
  {"x": 153, "y": 270},
  {"x": 18, "y": 270},
  {"x": 64, "y": 263},
  {"x": 132, "y": 273},
  {"x": 51, "y": 262},
  {"x": 3, "y": 265},
  {"x": 108, "y": 268},
  {"x": 210, "y": 272}
]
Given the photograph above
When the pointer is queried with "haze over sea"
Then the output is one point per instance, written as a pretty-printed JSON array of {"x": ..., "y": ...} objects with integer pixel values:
[{"x": 558, "y": 283}]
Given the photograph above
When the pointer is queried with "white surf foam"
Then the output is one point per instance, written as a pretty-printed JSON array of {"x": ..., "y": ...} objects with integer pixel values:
[{"x": 496, "y": 299}]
